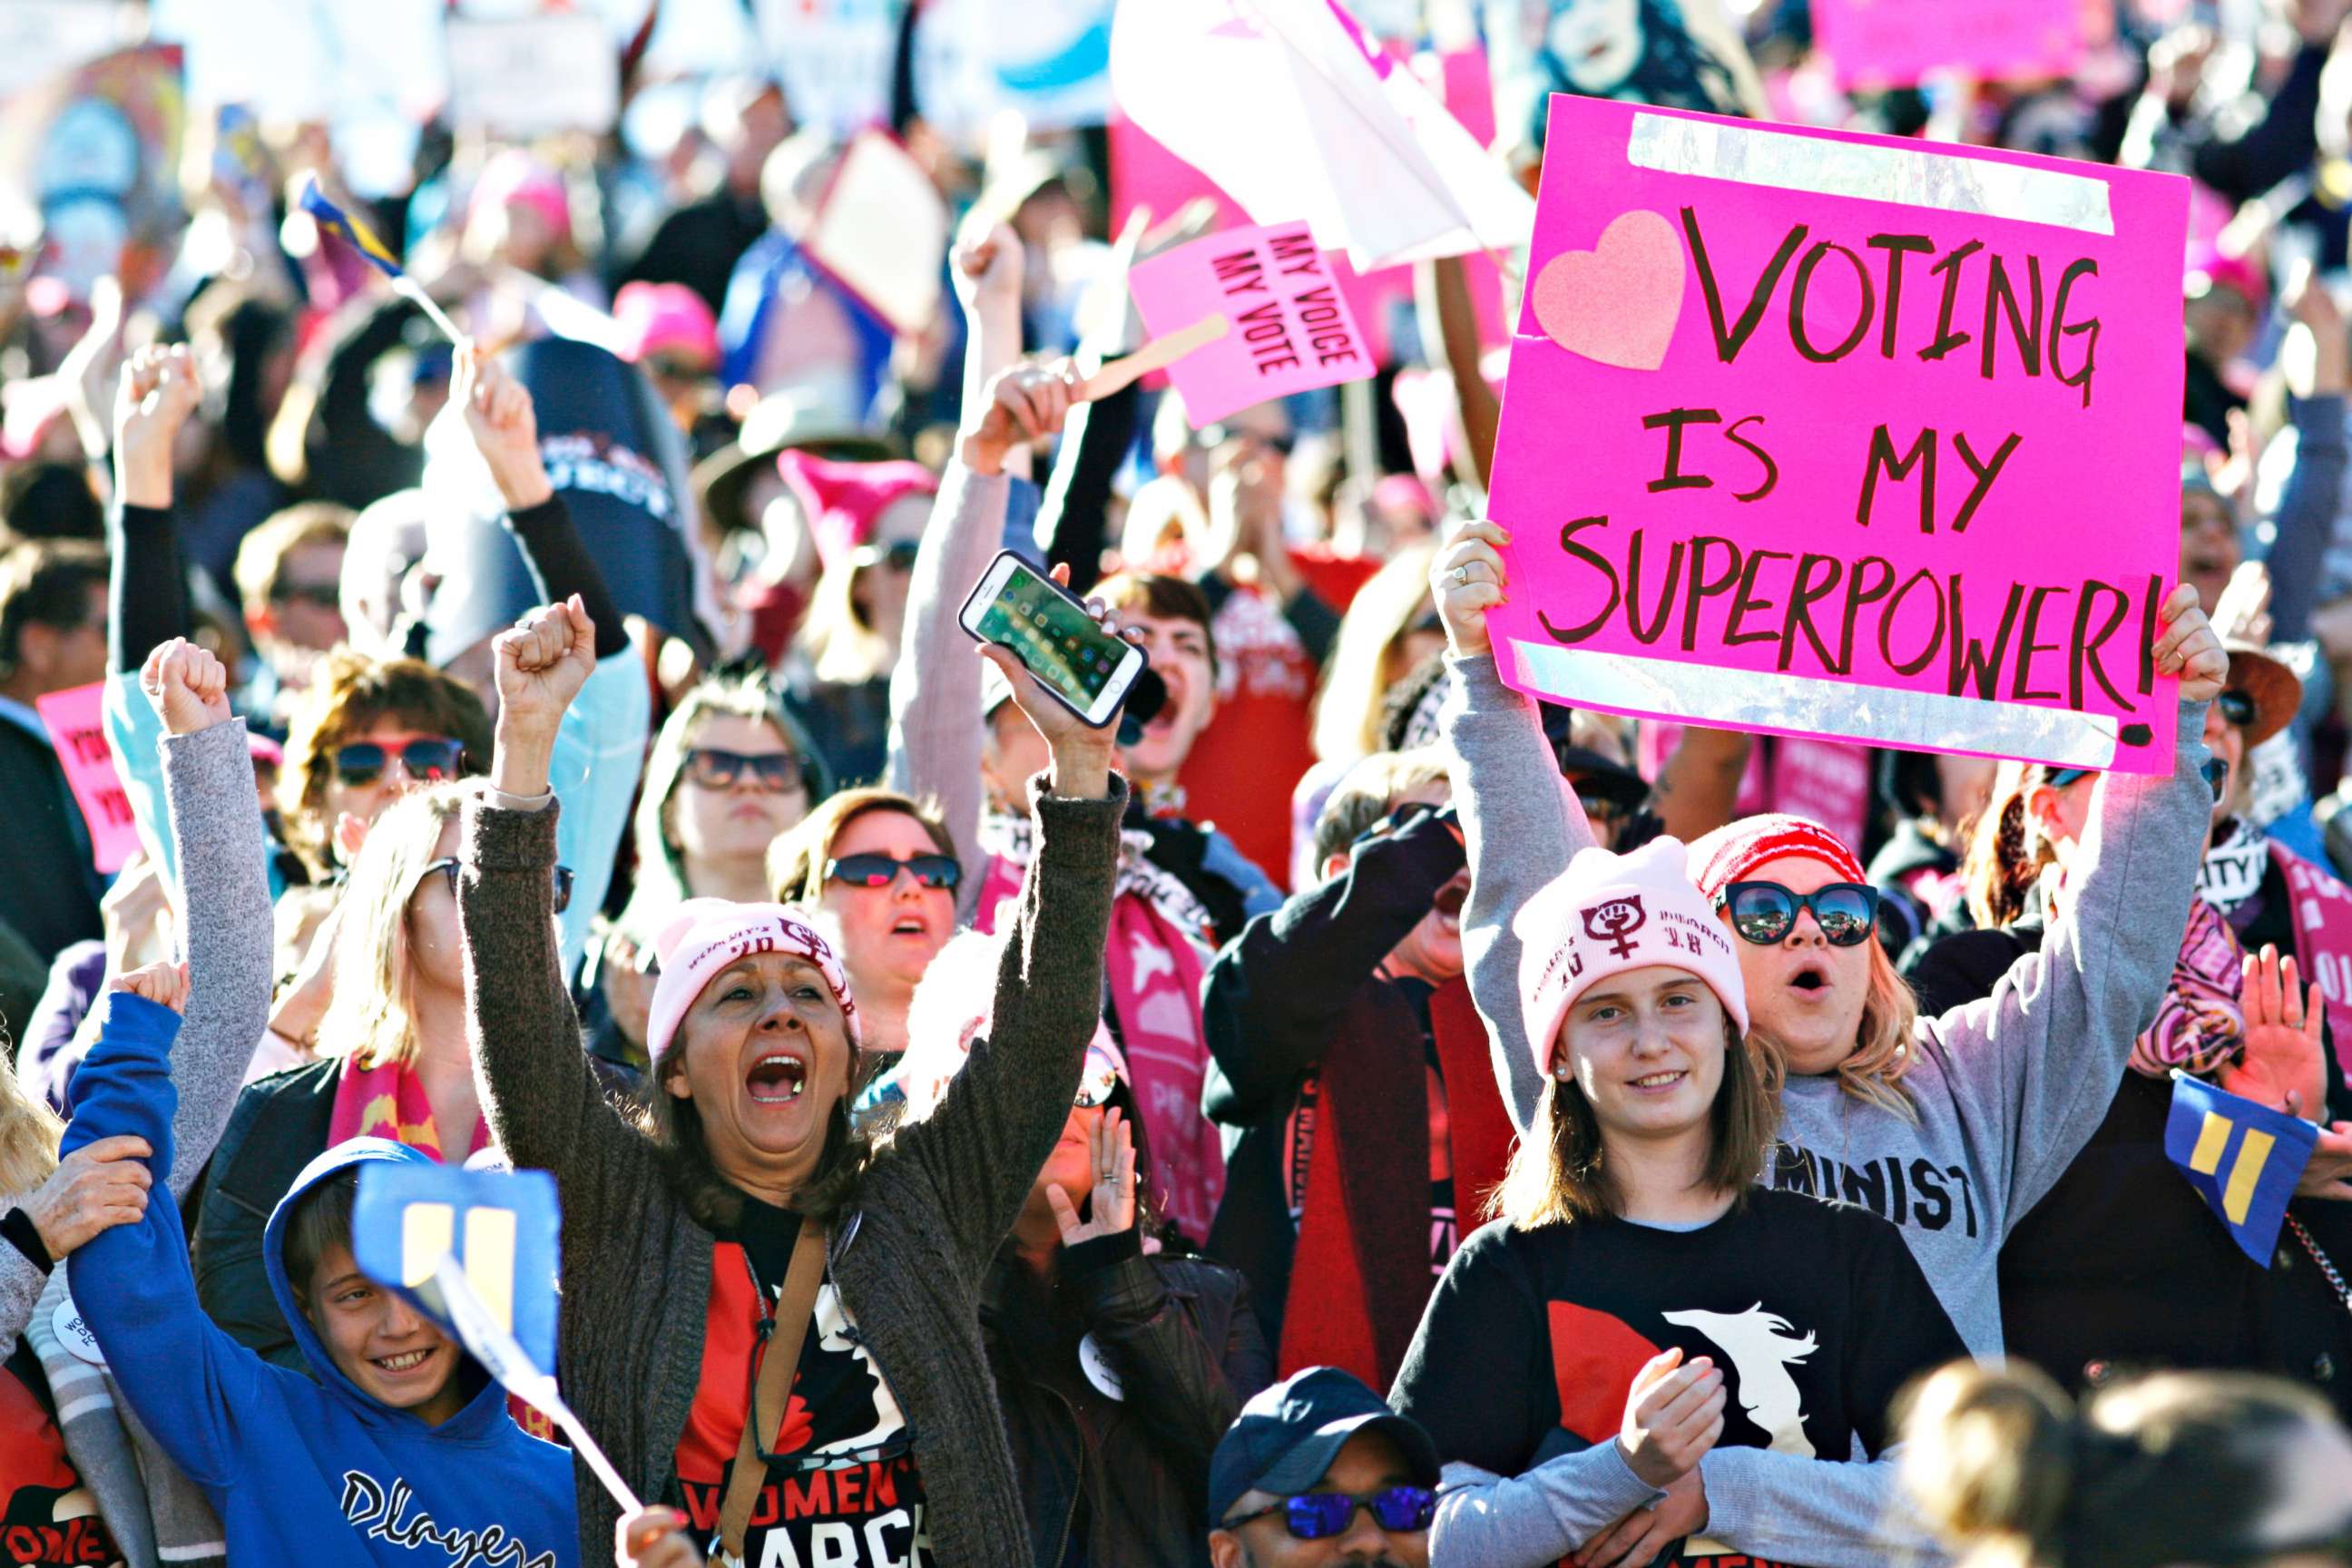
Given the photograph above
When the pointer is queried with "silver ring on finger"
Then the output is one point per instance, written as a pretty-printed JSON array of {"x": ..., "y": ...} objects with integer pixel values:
[{"x": 1461, "y": 576}]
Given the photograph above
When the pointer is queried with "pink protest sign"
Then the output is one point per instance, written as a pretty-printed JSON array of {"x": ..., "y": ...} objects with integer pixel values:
[
  {"x": 1842, "y": 435},
  {"x": 79, "y": 733},
  {"x": 1879, "y": 44},
  {"x": 1288, "y": 327}
]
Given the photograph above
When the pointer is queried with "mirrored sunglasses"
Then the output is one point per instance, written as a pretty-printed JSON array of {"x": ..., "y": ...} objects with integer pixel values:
[
  {"x": 1766, "y": 912},
  {"x": 1319, "y": 1516},
  {"x": 428, "y": 759},
  {"x": 881, "y": 870}
]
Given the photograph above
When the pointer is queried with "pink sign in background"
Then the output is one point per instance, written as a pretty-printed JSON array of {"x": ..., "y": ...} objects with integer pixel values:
[
  {"x": 1946, "y": 527},
  {"x": 79, "y": 733},
  {"x": 1145, "y": 174},
  {"x": 1291, "y": 329},
  {"x": 1893, "y": 43}
]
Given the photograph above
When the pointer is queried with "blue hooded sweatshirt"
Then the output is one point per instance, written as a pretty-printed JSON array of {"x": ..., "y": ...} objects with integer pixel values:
[{"x": 314, "y": 1473}]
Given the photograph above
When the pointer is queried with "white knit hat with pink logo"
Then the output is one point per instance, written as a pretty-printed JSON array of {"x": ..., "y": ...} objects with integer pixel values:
[
  {"x": 1608, "y": 913},
  {"x": 706, "y": 935}
]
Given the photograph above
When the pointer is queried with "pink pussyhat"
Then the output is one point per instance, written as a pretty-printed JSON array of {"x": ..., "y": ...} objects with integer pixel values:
[
  {"x": 1608, "y": 913},
  {"x": 514, "y": 175},
  {"x": 844, "y": 501},
  {"x": 706, "y": 935},
  {"x": 655, "y": 317}
]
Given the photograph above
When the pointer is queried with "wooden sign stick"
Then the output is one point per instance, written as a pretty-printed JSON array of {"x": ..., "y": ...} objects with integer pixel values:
[{"x": 1158, "y": 354}]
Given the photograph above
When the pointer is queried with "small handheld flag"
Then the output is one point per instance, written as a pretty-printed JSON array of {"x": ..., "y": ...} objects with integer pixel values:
[
  {"x": 501, "y": 1226},
  {"x": 504, "y": 1360},
  {"x": 2241, "y": 1155},
  {"x": 334, "y": 220}
]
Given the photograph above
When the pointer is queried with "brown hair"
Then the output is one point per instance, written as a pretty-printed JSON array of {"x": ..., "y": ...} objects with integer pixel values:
[
  {"x": 2174, "y": 1468},
  {"x": 1163, "y": 598},
  {"x": 47, "y": 581},
  {"x": 261, "y": 557},
  {"x": 350, "y": 694},
  {"x": 1561, "y": 1174},
  {"x": 372, "y": 1015},
  {"x": 1364, "y": 790},
  {"x": 2007, "y": 853},
  {"x": 320, "y": 1218},
  {"x": 796, "y": 859}
]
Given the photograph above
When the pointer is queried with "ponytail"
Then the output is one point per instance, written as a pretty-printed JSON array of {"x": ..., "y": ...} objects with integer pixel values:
[
  {"x": 2172, "y": 1467},
  {"x": 2006, "y": 854}
]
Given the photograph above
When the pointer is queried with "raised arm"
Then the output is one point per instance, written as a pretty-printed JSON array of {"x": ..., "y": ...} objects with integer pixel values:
[
  {"x": 600, "y": 745},
  {"x": 216, "y": 815},
  {"x": 1520, "y": 819},
  {"x": 2305, "y": 522},
  {"x": 541, "y": 1098},
  {"x": 2041, "y": 1056},
  {"x": 982, "y": 1148},
  {"x": 147, "y": 603},
  {"x": 183, "y": 1376},
  {"x": 1275, "y": 995},
  {"x": 935, "y": 722}
]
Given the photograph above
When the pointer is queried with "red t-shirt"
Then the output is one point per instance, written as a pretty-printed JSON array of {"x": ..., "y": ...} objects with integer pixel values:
[
  {"x": 1246, "y": 763},
  {"x": 843, "y": 1489},
  {"x": 47, "y": 1518}
]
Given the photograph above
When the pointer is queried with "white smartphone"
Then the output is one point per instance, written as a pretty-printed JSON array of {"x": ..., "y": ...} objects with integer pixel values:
[{"x": 1086, "y": 668}]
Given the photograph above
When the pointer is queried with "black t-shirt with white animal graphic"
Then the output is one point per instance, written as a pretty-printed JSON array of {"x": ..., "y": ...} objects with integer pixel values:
[{"x": 1814, "y": 1312}]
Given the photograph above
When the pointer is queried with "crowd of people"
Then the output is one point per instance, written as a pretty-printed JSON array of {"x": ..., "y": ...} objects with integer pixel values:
[{"x": 1343, "y": 1110}]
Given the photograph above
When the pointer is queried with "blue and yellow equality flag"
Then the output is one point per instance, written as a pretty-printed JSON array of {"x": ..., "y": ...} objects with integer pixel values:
[
  {"x": 352, "y": 231},
  {"x": 2244, "y": 1157}
]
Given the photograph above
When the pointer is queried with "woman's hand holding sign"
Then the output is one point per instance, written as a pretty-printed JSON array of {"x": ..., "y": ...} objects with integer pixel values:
[
  {"x": 2186, "y": 646},
  {"x": 1467, "y": 579}
]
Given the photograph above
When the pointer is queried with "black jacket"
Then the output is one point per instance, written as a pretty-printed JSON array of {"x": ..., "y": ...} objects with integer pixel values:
[
  {"x": 2122, "y": 1267},
  {"x": 1276, "y": 1001},
  {"x": 48, "y": 893},
  {"x": 279, "y": 1125},
  {"x": 1111, "y": 1481}
]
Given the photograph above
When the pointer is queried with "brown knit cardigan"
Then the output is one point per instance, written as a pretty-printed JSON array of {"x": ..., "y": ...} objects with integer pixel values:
[{"x": 910, "y": 1254}]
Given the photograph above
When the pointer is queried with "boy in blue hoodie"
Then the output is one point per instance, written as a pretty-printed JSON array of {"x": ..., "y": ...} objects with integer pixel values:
[{"x": 401, "y": 1453}]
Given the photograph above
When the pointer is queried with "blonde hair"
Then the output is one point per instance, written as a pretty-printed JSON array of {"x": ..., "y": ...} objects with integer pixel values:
[
  {"x": 1559, "y": 1174},
  {"x": 373, "y": 1015},
  {"x": 1873, "y": 1071},
  {"x": 1362, "y": 667},
  {"x": 2161, "y": 1469},
  {"x": 29, "y": 1132}
]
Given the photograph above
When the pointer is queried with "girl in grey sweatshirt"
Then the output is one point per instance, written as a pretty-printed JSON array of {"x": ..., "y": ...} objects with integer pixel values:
[{"x": 1994, "y": 1100}]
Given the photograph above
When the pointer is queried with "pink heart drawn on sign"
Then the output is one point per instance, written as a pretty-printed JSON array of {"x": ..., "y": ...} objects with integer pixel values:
[{"x": 1619, "y": 301}]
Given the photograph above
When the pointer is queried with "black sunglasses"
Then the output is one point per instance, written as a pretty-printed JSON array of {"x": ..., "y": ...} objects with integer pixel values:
[
  {"x": 426, "y": 759},
  {"x": 1764, "y": 912},
  {"x": 447, "y": 866},
  {"x": 319, "y": 595},
  {"x": 774, "y": 772},
  {"x": 2236, "y": 707},
  {"x": 1319, "y": 1516},
  {"x": 881, "y": 870}
]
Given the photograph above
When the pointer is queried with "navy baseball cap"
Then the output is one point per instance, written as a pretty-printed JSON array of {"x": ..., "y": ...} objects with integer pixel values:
[{"x": 1286, "y": 1436}]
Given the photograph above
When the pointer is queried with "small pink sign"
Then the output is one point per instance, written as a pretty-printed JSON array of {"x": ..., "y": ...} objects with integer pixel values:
[
  {"x": 78, "y": 732},
  {"x": 1288, "y": 325},
  {"x": 1875, "y": 44},
  {"x": 1823, "y": 433}
]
